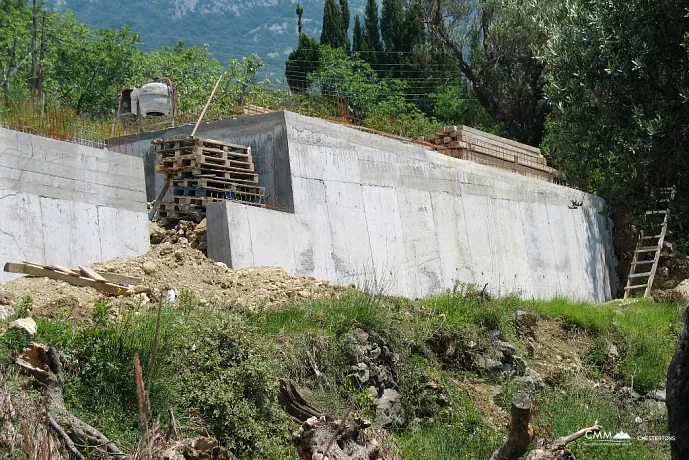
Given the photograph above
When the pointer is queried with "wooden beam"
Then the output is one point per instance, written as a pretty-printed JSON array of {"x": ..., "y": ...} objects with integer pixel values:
[
  {"x": 90, "y": 273},
  {"x": 39, "y": 271}
]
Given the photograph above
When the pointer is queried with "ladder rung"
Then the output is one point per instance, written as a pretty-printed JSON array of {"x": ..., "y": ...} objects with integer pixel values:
[
  {"x": 651, "y": 237},
  {"x": 647, "y": 249},
  {"x": 629, "y": 288},
  {"x": 640, "y": 275},
  {"x": 648, "y": 213},
  {"x": 643, "y": 262}
]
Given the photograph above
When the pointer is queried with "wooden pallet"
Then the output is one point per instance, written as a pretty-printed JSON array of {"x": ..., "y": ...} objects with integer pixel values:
[
  {"x": 649, "y": 248},
  {"x": 193, "y": 145},
  {"x": 218, "y": 185},
  {"x": 112, "y": 283},
  {"x": 174, "y": 164}
]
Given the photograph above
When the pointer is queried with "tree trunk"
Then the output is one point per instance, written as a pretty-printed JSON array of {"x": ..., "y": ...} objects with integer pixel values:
[
  {"x": 42, "y": 363},
  {"x": 521, "y": 432},
  {"x": 678, "y": 396}
]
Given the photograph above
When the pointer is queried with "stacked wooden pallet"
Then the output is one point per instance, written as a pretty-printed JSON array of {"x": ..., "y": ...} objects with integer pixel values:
[
  {"x": 485, "y": 148},
  {"x": 250, "y": 109},
  {"x": 202, "y": 171}
]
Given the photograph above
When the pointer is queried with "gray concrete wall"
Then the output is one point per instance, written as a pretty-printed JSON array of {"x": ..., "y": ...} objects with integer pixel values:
[
  {"x": 265, "y": 134},
  {"x": 398, "y": 219},
  {"x": 68, "y": 204}
]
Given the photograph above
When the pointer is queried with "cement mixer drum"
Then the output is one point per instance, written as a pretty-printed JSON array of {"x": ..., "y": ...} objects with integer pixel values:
[{"x": 155, "y": 99}]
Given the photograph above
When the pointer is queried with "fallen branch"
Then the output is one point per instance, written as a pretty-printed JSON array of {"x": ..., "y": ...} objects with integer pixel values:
[{"x": 43, "y": 364}]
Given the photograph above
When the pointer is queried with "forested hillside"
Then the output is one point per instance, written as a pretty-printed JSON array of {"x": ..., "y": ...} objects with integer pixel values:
[{"x": 231, "y": 28}]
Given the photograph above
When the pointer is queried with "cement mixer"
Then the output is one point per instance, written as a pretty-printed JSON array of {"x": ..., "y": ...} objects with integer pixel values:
[{"x": 156, "y": 99}]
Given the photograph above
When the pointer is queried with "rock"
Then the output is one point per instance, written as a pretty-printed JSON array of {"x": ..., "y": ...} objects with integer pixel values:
[
  {"x": 682, "y": 289},
  {"x": 183, "y": 241},
  {"x": 360, "y": 373},
  {"x": 507, "y": 350},
  {"x": 655, "y": 408},
  {"x": 4, "y": 300},
  {"x": 179, "y": 255},
  {"x": 484, "y": 363},
  {"x": 657, "y": 395},
  {"x": 611, "y": 351},
  {"x": 390, "y": 409},
  {"x": 5, "y": 312},
  {"x": 525, "y": 321},
  {"x": 149, "y": 267},
  {"x": 156, "y": 233},
  {"x": 166, "y": 248},
  {"x": 507, "y": 368},
  {"x": 221, "y": 265},
  {"x": 25, "y": 325},
  {"x": 360, "y": 335},
  {"x": 519, "y": 365},
  {"x": 638, "y": 420},
  {"x": 629, "y": 393}
]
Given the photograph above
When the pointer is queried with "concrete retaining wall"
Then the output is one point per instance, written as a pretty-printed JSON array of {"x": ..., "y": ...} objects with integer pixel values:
[
  {"x": 402, "y": 220},
  {"x": 68, "y": 204},
  {"x": 265, "y": 134}
]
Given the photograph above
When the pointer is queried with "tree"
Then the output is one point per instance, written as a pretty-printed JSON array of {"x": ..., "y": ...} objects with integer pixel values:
[
  {"x": 370, "y": 41},
  {"x": 493, "y": 42},
  {"x": 618, "y": 76},
  {"x": 357, "y": 36},
  {"x": 333, "y": 34},
  {"x": 92, "y": 67},
  {"x": 300, "y": 13},
  {"x": 344, "y": 8},
  {"x": 243, "y": 74},
  {"x": 192, "y": 70},
  {"x": 15, "y": 44},
  {"x": 301, "y": 63}
]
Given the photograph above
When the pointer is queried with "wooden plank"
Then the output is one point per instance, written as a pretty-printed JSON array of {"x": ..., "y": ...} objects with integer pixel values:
[
  {"x": 39, "y": 271},
  {"x": 60, "y": 268},
  {"x": 519, "y": 145},
  {"x": 117, "y": 278},
  {"x": 501, "y": 155},
  {"x": 90, "y": 273}
]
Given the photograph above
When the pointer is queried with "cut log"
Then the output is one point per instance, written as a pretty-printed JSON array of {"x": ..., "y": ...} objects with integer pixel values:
[
  {"x": 677, "y": 400},
  {"x": 292, "y": 402},
  {"x": 521, "y": 432}
]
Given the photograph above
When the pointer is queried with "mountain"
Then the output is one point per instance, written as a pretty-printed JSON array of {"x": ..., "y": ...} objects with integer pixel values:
[{"x": 231, "y": 28}]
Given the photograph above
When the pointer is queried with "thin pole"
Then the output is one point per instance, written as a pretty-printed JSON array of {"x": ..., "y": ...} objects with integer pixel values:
[{"x": 198, "y": 122}]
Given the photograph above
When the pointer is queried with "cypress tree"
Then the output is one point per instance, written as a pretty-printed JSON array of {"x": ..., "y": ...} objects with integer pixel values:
[
  {"x": 414, "y": 32},
  {"x": 357, "y": 37},
  {"x": 344, "y": 9},
  {"x": 300, "y": 12},
  {"x": 392, "y": 30},
  {"x": 332, "y": 34},
  {"x": 371, "y": 34}
]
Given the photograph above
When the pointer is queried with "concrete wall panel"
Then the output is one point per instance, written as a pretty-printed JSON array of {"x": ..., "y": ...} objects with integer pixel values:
[
  {"x": 396, "y": 218},
  {"x": 68, "y": 204}
]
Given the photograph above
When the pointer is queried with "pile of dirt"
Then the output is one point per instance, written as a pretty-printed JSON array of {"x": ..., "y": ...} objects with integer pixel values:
[{"x": 175, "y": 264}]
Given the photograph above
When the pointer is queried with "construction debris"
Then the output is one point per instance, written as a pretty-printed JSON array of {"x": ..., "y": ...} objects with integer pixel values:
[
  {"x": 250, "y": 109},
  {"x": 202, "y": 171},
  {"x": 111, "y": 283},
  {"x": 487, "y": 149}
]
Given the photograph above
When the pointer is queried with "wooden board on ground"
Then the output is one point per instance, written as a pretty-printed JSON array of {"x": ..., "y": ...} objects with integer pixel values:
[{"x": 45, "y": 271}]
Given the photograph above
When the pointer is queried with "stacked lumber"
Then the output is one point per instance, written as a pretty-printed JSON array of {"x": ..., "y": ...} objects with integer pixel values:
[
  {"x": 491, "y": 150},
  {"x": 111, "y": 283},
  {"x": 250, "y": 109},
  {"x": 202, "y": 171}
]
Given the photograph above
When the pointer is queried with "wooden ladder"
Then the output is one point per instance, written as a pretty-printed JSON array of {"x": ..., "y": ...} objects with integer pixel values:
[{"x": 647, "y": 253}]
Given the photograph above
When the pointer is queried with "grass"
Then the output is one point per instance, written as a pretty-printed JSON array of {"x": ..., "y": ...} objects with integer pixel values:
[{"x": 226, "y": 365}]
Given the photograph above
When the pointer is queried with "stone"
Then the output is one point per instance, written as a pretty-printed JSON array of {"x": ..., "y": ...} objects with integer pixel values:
[
  {"x": 657, "y": 395},
  {"x": 525, "y": 320},
  {"x": 655, "y": 408},
  {"x": 519, "y": 365},
  {"x": 156, "y": 233},
  {"x": 629, "y": 393},
  {"x": 507, "y": 350},
  {"x": 5, "y": 313},
  {"x": 484, "y": 363},
  {"x": 360, "y": 335},
  {"x": 611, "y": 351},
  {"x": 149, "y": 267},
  {"x": 638, "y": 420},
  {"x": 166, "y": 248},
  {"x": 390, "y": 409},
  {"x": 25, "y": 325},
  {"x": 360, "y": 373},
  {"x": 179, "y": 255},
  {"x": 221, "y": 265},
  {"x": 183, "y": 241}
]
